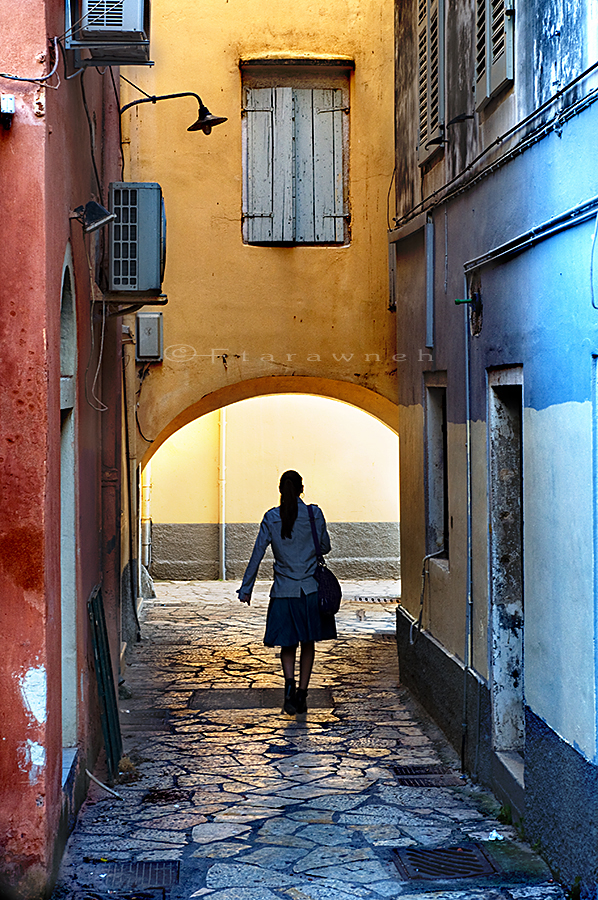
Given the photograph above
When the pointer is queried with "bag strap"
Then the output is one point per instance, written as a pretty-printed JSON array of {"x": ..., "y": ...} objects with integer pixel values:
[{"x": 314, "y": 533}]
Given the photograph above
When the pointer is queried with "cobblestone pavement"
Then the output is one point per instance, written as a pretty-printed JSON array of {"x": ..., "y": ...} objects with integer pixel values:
[{"x": 234, "y": 800}]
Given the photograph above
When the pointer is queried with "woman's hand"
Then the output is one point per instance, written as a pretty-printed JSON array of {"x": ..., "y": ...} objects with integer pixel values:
[{"x": 245, "y": 598}]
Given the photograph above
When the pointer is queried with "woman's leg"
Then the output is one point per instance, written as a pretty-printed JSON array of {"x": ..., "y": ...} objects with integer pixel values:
[
  {"x": 306, "y": 662},
  {"x": 287, "y": 658}
]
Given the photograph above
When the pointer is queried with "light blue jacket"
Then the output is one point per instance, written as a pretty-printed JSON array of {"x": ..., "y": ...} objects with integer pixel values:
[{"x": 294, "y": 557}]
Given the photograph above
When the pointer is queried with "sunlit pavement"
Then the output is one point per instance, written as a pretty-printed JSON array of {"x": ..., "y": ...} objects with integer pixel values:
[{"x": 234, "y": 800}]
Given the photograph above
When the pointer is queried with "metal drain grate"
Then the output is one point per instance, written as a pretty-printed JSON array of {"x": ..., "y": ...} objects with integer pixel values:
[
  {"x": 255, "y": 698},
  {"x": 443, "y": 863},
  {"x": 136, "y": 876},
  {"x": 375, "y": 599},
  {"x": 157, "y": 894},
  {"x": 425, "y": 776}
]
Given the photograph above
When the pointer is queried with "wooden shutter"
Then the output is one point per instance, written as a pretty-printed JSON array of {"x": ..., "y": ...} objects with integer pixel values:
[
  {"x": 431, "y": 76},
  {"x": 258, "y": 170},
  {"x": 319, "y": 184},
  {"x": 294, "y": 187},
  {"x": 268, "y": 211},
  {"x": 494, "y": 48}
]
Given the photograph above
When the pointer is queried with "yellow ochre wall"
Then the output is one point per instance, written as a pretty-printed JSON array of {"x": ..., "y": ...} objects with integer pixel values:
[
  {"x": 348, "y": 460},
  {"x": 255, "y": 315}
]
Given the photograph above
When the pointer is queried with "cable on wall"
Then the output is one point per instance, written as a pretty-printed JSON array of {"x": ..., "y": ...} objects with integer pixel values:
[{"x": 42, "y": 78}]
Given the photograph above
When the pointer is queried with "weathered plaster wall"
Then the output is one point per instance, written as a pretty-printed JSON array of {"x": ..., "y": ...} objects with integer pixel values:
[
  {"x": 238, "y": 312},
  {"x": 45, "y": 175},
  {"x": 539, "y": 314}
]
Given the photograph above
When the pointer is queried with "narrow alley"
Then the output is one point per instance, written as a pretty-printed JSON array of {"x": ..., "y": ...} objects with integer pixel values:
[{"x": 223, "y": 796}]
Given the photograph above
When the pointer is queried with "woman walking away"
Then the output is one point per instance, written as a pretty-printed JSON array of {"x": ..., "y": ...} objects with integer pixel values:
[{"x": 293, "y": 613}]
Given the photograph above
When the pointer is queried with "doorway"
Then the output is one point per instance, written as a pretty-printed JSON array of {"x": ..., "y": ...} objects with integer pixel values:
[{"x": 505, "y": 495}]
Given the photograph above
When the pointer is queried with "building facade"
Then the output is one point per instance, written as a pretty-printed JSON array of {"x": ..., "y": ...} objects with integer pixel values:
[
  {"x": 492, "y": 261},
  {"x": 60, "y": 433},
  {"x": 277, "y": 264}
]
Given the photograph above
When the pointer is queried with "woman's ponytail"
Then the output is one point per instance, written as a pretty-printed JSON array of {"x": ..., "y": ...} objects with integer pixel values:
[{"x": 291, "y": 486}]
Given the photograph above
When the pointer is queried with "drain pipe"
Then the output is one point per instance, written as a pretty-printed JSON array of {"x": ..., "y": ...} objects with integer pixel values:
[
  {"x": 146, "y": 520},
  {"x": 222, "y": 495},
  {"x": 468, "y": 589}
]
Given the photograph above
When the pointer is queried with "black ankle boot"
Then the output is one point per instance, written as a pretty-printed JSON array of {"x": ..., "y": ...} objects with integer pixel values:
[
  {"x": 289, "y": 696},
  {"x": 301, "y": 700}
]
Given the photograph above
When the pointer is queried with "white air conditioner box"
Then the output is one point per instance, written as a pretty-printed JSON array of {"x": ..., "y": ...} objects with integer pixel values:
[
  {"x": 113, "y": 32},
  {"x": 137, "y": 237},
  {"x": 101, "y": 18}
]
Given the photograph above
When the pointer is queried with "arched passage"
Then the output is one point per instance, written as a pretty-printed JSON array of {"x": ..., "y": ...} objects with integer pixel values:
[
  {"x": 367, "y": 400},
  {"x": 202, "y": 496}
]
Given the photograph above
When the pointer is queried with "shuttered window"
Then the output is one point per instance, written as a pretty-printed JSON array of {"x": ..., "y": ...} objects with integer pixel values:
[
  {"x": 295, "y": 186},
  {"x": 494, "y": 48},
  {"x": 430, "y": 77}
]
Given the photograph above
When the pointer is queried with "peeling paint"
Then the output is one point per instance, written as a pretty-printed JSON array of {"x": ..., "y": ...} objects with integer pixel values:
[{"x": 34, "y": 690}]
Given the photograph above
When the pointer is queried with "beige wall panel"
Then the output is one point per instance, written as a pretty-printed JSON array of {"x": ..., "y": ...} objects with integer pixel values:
[
  {"x": 238, "y": 312},
  {"x": 412, "y": 506},
  {"x": 446, "y": 599},
  {"x": 348, "y": 460},
  {"x": 184, "y": 475}
]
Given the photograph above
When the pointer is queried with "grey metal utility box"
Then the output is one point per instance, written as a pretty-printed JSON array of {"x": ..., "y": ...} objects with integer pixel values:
[
  {"x": 137, "y": 237},
  {"x": 149, "y": 337}
]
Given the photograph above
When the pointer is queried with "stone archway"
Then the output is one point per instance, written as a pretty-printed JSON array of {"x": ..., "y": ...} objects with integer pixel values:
[{"x": 364, "y": 399}]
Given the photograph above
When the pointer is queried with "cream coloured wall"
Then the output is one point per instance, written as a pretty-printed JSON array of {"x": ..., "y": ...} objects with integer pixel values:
[
  {"x": 348, "y": 460},
  {"x": 241, "y": 314}
]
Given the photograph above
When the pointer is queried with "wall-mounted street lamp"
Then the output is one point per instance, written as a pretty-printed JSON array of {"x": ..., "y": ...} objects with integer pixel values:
[
  {"x": 92, "y": 216},
  {"x": 205, "y": 120}
]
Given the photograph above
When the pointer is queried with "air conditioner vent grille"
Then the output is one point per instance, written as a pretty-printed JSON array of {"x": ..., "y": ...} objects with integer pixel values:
[
  {"x": 105, "y": 14},
  {"x": 125, "y": 246}
]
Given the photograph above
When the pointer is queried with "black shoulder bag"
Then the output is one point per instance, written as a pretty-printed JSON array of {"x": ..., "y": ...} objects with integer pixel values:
[{"x": 329, "y": 590}]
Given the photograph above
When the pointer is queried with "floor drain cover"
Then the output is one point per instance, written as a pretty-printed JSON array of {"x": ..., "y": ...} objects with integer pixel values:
[
  {"x": 443, "y": 863},
  {"x": 158, "y": 894},
  {"x": 425, "y": 776},
  {"x": 255, "y": 698},
  {"x": 135, "y": 876},
  {"x": 375, "y": 599}
]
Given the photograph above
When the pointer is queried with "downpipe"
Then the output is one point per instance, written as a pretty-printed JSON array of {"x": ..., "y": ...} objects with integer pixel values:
[{"x": 468, "y": 649}]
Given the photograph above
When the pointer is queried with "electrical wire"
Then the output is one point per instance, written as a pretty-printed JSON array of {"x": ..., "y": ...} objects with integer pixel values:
[
  {"x": 91, "y": 138},
  {"x": 142, "y": 376},
  {"x": 417, "y": 623},
  {"x": 120, "y": 126},
  {"x": 394, "y": 172},
  {"x": 101, "y": 4},
  {"x": 100, "y": 407},
  {"x": 75, "y": 74},
  {"x": 100, "y": 355},
  {"x": 42, "y": 78},
  {"x": 137, "y": 88}
]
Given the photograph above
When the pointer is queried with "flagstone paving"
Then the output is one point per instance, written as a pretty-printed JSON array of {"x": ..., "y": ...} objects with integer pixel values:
[{"x": 257, "y": 805}]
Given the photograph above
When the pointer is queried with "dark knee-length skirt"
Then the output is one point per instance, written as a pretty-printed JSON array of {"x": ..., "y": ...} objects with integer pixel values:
[{"x": 291, "y": 620}]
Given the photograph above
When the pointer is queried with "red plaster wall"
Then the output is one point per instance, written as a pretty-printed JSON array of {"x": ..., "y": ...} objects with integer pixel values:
[{"x": 45, "y": 171}]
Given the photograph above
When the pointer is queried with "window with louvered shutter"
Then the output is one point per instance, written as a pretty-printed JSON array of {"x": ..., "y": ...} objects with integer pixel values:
[
  {"x": 295, "y": 183},
  {"x": 430, "y": 77},
  {"x": 494, "y": 48}
]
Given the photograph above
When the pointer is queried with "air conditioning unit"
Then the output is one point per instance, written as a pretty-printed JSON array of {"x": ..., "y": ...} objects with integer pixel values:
[
  {"x": 112, "y": 32},
  {"x": 137, "y": 237},
  {"x": 102, "y": 18}
]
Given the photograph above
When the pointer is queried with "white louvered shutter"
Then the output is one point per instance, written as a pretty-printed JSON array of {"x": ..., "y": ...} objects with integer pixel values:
[
  {"x": 431, "y": 76},
  {"x": 494, "y": 48}
]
